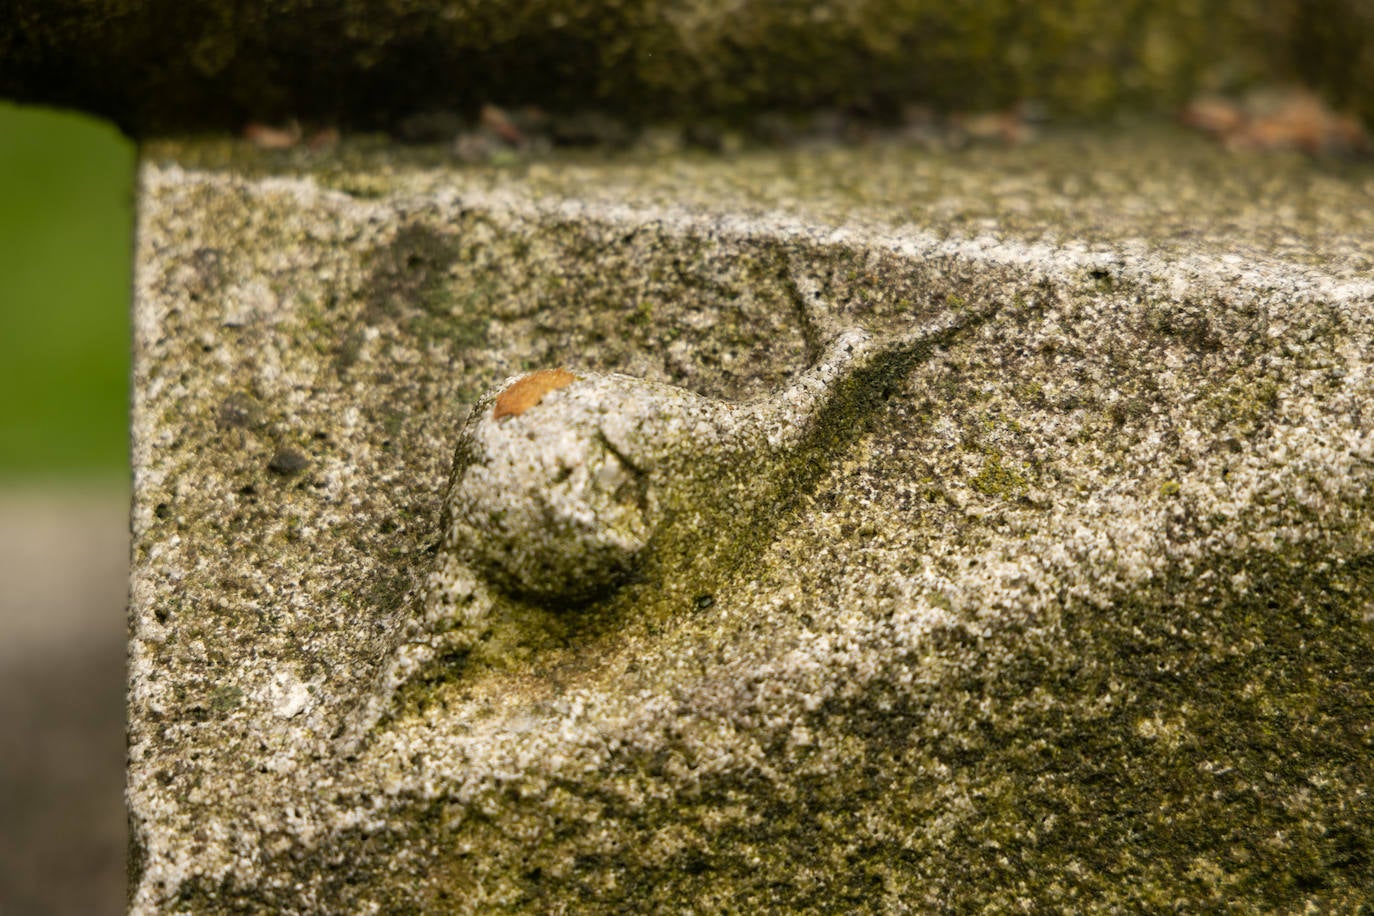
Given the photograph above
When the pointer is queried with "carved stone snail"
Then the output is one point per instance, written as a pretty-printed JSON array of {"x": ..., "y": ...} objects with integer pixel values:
[{"x": 562, "y": 479}]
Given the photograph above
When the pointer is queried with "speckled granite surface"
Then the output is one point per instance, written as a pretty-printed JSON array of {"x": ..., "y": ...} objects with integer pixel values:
[{"x": 1068, "y": 609}]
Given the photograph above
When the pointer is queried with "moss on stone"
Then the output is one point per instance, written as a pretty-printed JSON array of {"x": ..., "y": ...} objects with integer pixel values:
[{"x": 996, "y": 479}]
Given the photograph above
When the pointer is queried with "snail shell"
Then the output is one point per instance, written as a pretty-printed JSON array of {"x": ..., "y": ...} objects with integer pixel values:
[{"x": 561, "y": 480}]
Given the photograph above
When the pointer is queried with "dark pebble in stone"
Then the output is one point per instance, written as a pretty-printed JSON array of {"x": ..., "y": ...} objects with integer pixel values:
[
  {"x": 288, "y": 461},
  {"x": 239, "y": 412}
]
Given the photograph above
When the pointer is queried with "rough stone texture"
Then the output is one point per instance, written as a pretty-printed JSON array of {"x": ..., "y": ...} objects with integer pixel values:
[
  {"x": 1070, "y": 608},
  {"x": 156, "y": 66}
]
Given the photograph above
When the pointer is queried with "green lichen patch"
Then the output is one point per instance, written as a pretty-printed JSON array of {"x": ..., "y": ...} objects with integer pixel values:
[
  {"x": 996, "y": 479},
  {"x": 1098, "y": 763}
]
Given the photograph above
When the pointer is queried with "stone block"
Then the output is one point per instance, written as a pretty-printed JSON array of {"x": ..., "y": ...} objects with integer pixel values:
[{"x": 1053, "y": 591}]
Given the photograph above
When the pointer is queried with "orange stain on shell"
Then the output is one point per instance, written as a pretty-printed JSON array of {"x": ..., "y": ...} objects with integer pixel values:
[{"x": 525, "y": 392}]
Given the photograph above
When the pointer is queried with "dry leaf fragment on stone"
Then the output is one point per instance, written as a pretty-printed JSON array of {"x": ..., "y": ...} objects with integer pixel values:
[
  {"x": 496, "y": 121},
  {"x": 265, "y": 136},
  {"x": 1290, "y": 119},
  {"x": 1008, "y": 127},
  {"x": 1213, "y": 115},
  {"x": 324, "y": 138},
  {"x": 525, "y": 392}
]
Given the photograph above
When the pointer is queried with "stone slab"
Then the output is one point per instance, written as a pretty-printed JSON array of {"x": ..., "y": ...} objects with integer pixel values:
[{"x": 1066, "y": 605}]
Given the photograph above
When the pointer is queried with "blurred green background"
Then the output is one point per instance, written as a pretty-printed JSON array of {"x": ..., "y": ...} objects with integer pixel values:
[{"x": 66, "y": 238}]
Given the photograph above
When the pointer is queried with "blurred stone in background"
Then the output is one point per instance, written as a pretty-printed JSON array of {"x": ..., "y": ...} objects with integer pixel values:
[{"x": 377, "y": 63}]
